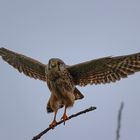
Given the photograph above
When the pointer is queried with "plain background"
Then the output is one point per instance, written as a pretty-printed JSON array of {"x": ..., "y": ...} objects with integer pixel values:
[{"x": 75, "y": 31}]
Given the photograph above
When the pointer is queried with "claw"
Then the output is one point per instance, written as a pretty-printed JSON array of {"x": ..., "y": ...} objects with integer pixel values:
[
  {"x": 53, "y": 124},
  {"x": 64, "y": 117}
]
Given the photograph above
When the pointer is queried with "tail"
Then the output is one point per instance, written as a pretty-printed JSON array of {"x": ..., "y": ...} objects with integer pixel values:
[
  {"x": 49, "y": 109},
  {"x": 78, "y": 95}
]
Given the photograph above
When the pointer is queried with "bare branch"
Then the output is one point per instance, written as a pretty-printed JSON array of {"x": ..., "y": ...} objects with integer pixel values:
[
  {"x": 62, "y": 121},
  {"x": 119, "y": 121}
]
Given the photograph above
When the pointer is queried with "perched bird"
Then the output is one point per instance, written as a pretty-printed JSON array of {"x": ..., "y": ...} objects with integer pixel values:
[{"x": 62, "y": 79}]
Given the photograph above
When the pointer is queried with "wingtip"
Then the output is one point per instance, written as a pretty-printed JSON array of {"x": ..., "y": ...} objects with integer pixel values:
[{"x": 2, "y": 50}]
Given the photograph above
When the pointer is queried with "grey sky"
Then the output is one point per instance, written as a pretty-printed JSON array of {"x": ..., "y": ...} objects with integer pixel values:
[{"x": 75, "y": 31}]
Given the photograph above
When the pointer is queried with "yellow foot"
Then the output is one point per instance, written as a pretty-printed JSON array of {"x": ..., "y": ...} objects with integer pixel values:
[
  {"x": 64, "y": 117},
  {"x": 53, "y": 124}
]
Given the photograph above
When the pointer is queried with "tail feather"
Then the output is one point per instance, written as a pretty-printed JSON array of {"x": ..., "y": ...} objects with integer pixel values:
[
  {"x": 78, "y": 94},
  {"x": 49, "y": 109}
]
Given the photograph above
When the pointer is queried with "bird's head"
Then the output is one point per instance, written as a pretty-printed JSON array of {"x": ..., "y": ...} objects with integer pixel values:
[{"x": 55, "y": 63}]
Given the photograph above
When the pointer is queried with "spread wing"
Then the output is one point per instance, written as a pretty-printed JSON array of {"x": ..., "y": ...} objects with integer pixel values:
[
  {"x": 27, "y": 65},
  {"x": 105, "y": 70}
]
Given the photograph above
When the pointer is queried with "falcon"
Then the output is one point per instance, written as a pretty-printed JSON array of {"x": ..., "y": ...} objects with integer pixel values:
[{"x": 62, "y": 79}]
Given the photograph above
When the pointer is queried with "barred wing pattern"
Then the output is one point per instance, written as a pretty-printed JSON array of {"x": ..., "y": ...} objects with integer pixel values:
[
  {"x": 27, "y": 65},
  {"x": 105, "y": 70}
]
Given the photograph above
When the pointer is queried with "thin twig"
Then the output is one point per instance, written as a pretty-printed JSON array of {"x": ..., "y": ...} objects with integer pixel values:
[
  {"x": 119, "y": 121},
  {"x": 62, "y": 121}
]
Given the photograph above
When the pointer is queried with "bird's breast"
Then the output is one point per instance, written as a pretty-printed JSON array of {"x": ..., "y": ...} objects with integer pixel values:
[{"x": 59, "y": 83}]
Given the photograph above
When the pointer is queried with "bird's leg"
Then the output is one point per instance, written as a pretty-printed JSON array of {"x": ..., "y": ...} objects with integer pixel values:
[
  {"x": 64, "y": 117},
  {"x": 53, "y": 124}
]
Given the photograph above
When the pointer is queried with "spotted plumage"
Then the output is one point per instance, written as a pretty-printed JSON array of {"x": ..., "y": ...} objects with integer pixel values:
[{"x": 63, "y": 79}]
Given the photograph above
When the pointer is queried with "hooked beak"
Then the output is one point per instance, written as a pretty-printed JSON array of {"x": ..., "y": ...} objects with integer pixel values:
[{"x": 54, "y": 64}]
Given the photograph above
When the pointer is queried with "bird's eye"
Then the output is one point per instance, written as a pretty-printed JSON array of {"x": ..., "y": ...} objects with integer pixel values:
[{"x": 53, "y": 64}]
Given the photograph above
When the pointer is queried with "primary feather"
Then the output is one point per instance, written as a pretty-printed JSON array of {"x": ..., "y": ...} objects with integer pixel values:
[
  {"x": 105, "y": 70},
  {"x": 22, "y": 63}
]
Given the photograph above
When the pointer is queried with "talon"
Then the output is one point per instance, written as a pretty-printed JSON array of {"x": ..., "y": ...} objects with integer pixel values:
[
  {"x": 53, "y": 124},
  {"x": 64, "y": 117}
]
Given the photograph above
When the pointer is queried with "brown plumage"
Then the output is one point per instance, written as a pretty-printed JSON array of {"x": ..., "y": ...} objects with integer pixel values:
[{"x": 62, "y": 79}]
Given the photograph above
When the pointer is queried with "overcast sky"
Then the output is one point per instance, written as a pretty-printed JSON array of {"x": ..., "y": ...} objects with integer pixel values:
[{"x": 75, "y": 31}]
